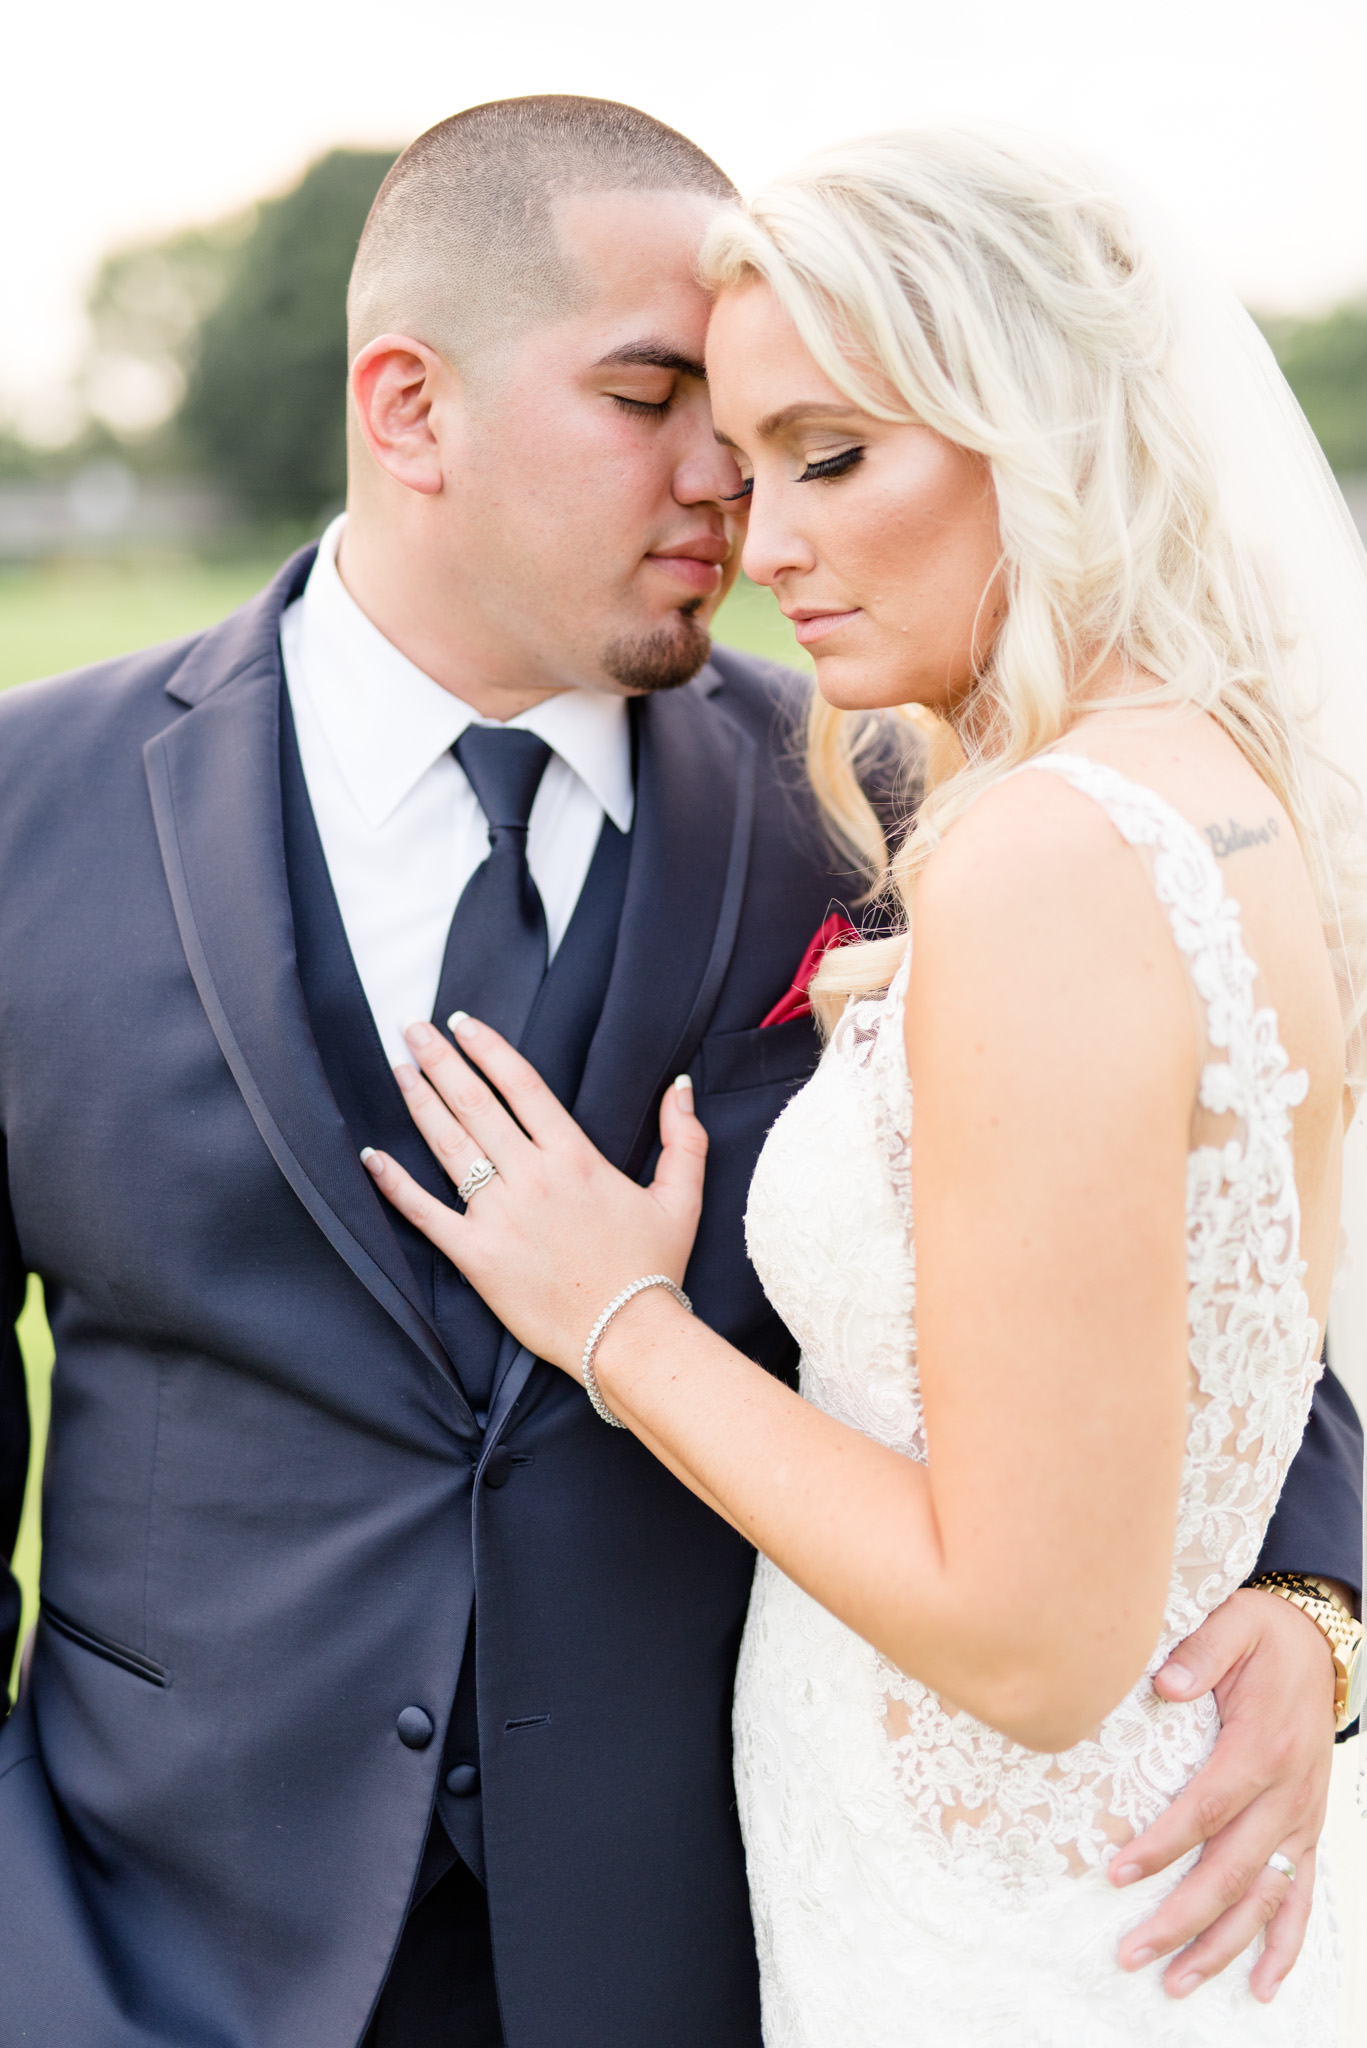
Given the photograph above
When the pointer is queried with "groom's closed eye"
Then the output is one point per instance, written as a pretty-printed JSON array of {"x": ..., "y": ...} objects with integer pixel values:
[
  {"x": 649, "y": 376},
  {"x": 641, "y": 406}
]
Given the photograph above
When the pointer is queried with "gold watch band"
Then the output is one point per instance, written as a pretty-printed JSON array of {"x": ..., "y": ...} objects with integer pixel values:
[{"x": 1340, "y": 1628}]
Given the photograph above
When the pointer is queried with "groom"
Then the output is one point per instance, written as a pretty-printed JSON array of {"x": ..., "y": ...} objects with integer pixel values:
[{"x": 380, "y": 1693}]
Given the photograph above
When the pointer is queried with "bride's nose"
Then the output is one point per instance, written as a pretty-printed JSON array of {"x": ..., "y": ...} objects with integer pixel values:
[{"x": 774, "y": 546}]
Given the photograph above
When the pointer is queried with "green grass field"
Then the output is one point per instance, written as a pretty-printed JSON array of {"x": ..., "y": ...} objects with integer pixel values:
[{"x": 65, "y": 615}]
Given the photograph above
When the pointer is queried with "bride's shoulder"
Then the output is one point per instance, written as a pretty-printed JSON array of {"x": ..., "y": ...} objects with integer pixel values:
[
  {"x": 1041, "y": 957},
  {"x": 1034, "y": 883},
  {"x": 1032, "y": 833},
  {"x": 1058, "y": 824}
]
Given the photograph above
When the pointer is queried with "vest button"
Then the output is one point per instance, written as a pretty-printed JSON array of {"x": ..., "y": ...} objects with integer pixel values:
[
  {"x": 415, "y": 1728},
  {"x": 498, "y": 1466},
  {"x": 462, "y": 1780}
]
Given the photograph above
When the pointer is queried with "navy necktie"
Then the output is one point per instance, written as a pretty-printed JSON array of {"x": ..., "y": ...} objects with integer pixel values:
[{"x": 496, "y": 949}]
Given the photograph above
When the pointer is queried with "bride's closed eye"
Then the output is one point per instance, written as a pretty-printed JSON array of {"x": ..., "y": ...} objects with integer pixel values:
[
  {"x": 832, "y": 465},
  {"x": 828, "y": 466}
]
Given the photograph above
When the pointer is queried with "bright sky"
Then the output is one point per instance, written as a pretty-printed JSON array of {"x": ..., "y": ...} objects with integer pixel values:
[{"x": 123, "y": 122}]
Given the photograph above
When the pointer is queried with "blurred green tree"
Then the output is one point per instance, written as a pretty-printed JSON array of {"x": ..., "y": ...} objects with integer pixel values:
[
  {"x": 146, "y": 309},
  {"x": 223, "y": 349},
  {"x": 264, "y": 406},
  {"x": 1325, "y": 363}
]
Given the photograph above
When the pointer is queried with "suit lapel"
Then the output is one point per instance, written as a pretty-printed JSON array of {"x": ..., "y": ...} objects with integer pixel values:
[
  {"x": 215, "y": 787},
  {"x": 214, "y": 778},
  {"x": 695, "y": 796}
]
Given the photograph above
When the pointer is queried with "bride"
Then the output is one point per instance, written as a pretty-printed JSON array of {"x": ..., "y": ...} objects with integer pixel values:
[{"x": 980, "y": 483}]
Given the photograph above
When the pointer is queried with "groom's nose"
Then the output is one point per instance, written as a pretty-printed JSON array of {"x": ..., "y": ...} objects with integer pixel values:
[{"x": 706, "y": 473}]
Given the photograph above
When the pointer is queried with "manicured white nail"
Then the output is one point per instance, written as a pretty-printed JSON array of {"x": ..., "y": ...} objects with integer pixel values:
[
  {"x": 372, "y": 1161},
  {"x": 1178, "y": 1676},
  {"x": 416, "y": 1031},
  {"x": 1126, "y": 1874},
  {"x": 406, "y": 1076},
  {"x": 461, "y": 1024},
  {"x": 1141, "y": 1959},
  {"x": 683, "y": 1088}
]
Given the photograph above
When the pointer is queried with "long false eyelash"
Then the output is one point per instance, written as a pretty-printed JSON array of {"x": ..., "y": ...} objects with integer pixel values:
[{"x": 833, "y": 465}]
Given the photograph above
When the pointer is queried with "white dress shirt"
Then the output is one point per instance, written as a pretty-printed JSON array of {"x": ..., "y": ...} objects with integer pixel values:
[{"x": 401, "y": 827}]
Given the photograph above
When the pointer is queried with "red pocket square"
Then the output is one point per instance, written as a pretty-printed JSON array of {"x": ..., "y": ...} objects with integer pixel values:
[{"x": 836, "y": 931}]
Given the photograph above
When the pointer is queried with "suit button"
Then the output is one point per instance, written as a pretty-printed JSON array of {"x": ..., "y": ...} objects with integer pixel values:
[
  {"x": 462, "y": 1780},
  {"x": 415, "y": 1728},
  {"x": 498, "y": 1466}
]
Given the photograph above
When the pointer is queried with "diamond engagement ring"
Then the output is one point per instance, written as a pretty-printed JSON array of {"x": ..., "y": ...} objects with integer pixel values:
[
  {"x": 1277, "y": 1861},
  {"x": 480, "y": 1174}
]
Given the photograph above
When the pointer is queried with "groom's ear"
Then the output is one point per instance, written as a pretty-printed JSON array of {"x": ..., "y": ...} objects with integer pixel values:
[{"x": 403, "y": 395}]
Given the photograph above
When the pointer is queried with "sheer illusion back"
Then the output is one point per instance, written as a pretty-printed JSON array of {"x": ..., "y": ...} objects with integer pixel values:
[{"x": 910, "y": 1866}]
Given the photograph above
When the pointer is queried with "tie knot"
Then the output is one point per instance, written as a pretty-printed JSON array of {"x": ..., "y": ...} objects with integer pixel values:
[{"x": 504, "y": 767}]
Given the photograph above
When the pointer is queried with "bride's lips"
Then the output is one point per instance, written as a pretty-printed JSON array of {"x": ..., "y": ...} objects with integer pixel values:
[
  {"x": 810, "y": 626},
  {"x": 697, "y": 564}
]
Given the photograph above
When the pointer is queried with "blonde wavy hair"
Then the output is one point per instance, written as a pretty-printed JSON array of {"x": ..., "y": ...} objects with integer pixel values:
[{"x": 987, "y": 289}]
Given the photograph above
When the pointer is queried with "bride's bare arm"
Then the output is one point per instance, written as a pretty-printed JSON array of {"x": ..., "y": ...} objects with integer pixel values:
[{"x": 1052, "y": 1049}]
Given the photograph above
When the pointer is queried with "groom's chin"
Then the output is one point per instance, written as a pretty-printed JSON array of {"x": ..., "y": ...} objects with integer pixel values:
[{"x": 662, "y": 659}]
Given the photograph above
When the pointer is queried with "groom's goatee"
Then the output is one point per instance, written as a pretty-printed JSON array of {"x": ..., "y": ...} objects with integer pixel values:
[{"x": 662, "y": 660}]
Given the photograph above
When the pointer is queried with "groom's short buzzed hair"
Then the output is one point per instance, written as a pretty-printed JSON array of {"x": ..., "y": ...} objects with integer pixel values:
[{"x": 460, "y": 249}]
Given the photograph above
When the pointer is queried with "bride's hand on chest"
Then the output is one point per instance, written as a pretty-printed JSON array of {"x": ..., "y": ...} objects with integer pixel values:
[{"x": 556, "y": 1231}]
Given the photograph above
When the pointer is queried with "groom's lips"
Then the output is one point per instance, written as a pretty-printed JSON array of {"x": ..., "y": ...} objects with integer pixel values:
[{"x": 697, "y": 564}]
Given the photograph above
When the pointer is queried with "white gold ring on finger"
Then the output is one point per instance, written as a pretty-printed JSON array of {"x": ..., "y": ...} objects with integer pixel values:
[
  {"x": 480, "y": 1174},
  {"x": 1276, "y": 1861}
]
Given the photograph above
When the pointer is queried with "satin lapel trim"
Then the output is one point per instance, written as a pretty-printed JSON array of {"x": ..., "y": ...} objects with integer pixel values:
[
  {"x": 695, "y": 797},
  {"x": 215, "y": 782},
  {"x": 511, "y": 1374}
]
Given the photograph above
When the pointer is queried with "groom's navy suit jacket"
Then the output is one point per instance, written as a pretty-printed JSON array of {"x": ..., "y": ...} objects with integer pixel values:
[{"x": 268, "y": 1507}]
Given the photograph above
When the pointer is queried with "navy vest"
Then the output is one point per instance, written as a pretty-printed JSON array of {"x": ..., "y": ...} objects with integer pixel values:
[
  {"x": 559, "y": 1031},
  {"x": 556, "y": 1040}
]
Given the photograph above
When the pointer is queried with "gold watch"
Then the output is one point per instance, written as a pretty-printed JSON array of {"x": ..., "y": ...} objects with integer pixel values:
[{"x": 1342, "y": 1633}]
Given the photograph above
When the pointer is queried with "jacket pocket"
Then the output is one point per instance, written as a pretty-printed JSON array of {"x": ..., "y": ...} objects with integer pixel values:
[
  {"x": 766, "y": 1057},
  {"x": 100, "y": 1646}
]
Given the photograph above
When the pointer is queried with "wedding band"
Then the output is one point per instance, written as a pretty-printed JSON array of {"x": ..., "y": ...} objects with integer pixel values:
[
  {"x": 1283, "y": 1863},
  {"x": 480, "y": 1174}
]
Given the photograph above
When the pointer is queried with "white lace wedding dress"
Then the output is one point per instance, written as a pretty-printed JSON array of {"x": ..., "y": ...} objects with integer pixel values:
[{"x": 918, "y": 1881}]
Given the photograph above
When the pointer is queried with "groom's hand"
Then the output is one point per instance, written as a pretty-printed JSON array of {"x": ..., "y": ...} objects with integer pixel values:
[{"x": 1264, "y": 1789}]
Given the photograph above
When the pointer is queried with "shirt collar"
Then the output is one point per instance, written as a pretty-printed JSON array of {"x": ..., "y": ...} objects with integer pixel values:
[
  {"x": 387, "y": 722},
  {"x": 590, "y": 731}
]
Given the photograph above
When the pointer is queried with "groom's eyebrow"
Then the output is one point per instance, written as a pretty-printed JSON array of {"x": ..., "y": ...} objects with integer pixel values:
[{"x": 651, "y": 355}]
